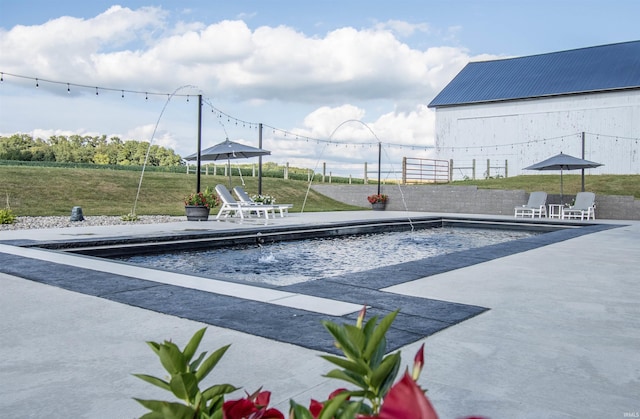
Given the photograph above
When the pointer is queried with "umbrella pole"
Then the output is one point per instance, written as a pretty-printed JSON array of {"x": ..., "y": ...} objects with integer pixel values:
[
  {"x": 229, "y": 171},
  {"x": 561, "y": 189}
]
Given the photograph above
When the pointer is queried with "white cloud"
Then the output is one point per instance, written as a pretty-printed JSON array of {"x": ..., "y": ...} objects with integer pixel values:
[{"x": 367, "y": 74}]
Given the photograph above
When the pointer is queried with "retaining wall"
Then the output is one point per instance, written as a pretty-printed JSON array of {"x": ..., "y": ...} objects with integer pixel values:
[{"x": 468, "y": 199}]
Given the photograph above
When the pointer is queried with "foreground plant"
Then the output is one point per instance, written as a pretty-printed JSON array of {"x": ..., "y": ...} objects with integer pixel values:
[
  {"x": 185, "y": 376},
  {"x": 364, "y": 365}
]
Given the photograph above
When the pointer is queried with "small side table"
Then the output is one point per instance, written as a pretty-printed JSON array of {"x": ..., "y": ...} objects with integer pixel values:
[{"x": 555, "y": 210}]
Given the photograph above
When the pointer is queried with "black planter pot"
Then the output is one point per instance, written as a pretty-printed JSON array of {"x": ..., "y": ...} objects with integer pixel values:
[
  {"x": 196, "y": 213},
  {"x": 378, "y": 206}
]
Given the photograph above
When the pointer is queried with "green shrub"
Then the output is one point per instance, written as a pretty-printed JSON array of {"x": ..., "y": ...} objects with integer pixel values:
[{"x": 7, "y": 216}]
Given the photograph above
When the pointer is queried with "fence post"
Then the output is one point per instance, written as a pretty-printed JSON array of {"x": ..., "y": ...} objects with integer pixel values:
[
  {"x": 324, "y": 170},
  {"x": 253, "y": 170},
  {"x": 330, "y": 176},
  {"x": 206, "y": 170},
  {"x": 473, "y": 170},
  {"x": 366, "y": 179},
  {"x": 286, "y": 171},
  {"x": 488, "y": 168},
  {"x": 404, "y": 170},
  {"x": 450, "y": 168},
  {"x": 349, "y": 179},
  {"x": 506, "y": 168},
  {"x": 187, "y": 168}
]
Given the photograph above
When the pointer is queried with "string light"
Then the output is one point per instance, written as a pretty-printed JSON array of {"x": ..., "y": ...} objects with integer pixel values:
[{"x": 287, "y": 135}]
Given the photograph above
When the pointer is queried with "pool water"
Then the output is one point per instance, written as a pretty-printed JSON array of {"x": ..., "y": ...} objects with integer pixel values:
[{"x": 290, "y": 262}]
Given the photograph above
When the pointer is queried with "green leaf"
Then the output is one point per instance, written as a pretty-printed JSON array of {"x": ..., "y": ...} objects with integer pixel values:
[
  {"x": 178, "y": 411},
  {"x": 356, "y": 336},
  {"x": 342, "y": 375},
  {"x": 388, "y": 382},
  {"x": 152, "y": 415},
  {"x": 154, "y": 380},
  {"x": 172, "y": 359},
  {"x": 218, "y": 390},
  {"x": 155, "y": 346},
  {"x": 378, "y": 354},
  {"x": 379, "y": 333},
  {"x": 210, "y": 363},
  {"x": 331, "y": 406},
  {"x": 385, "y": 370},
  {"x": 193, "y": 344},
  {"x": 184, "y": 386},
  {"x": 195, "y": 364},
  {"x": 340, "y": 335},
  {"x": 352, "y": 409},
  {"x": 168, "y": 409},
  {"x": 369, "y": 327},
  {"x": 357, "y": 367},
  {"x": 297, "y": 411}
]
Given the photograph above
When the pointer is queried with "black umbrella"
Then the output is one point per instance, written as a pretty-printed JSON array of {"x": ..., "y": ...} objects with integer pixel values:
[
  {"x": 228, "y": 150},
  {"x": 563, "y": 162}
]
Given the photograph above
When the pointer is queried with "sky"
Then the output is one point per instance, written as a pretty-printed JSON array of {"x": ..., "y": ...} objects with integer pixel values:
[{"x": 328, "y": 79}]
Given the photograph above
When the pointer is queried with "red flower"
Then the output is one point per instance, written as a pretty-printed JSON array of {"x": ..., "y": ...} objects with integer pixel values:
[
  {"x": 254, "y": 406},
  {"x": 315, "y": 407},
  {"x": 405, "y": 400},
  {"x": 418, "y": 362}
]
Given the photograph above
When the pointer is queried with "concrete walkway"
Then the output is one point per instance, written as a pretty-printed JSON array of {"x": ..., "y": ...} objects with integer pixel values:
[{"x": 561, "y": 338}]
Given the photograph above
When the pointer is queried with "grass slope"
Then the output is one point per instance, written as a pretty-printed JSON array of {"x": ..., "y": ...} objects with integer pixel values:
[
  {"x": 39, "y": 191},
  {"x": 600, "y": 184}
]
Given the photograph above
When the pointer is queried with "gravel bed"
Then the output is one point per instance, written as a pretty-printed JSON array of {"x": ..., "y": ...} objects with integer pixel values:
[{"x": 24, "y": 223}]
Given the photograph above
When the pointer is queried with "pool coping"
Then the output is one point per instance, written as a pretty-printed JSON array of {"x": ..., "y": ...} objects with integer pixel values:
[{"x": 419, "y": 317}]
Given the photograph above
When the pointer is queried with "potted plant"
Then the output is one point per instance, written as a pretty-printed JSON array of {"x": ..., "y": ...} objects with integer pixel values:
[
  {"x": 378, "y": 201},
  {"x": 197, "y": 205}
]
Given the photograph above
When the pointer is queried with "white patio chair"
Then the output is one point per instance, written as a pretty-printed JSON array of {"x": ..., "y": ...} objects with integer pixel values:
[
  {"x": 246, "y": 199},
  {"x": 536, "y": 206},
  {"x": 232, "y": 207},
  {"x": 584, "y": 206}
]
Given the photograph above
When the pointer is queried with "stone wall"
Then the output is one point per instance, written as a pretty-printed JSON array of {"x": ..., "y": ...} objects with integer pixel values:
[{"x": 468, "y": 199}]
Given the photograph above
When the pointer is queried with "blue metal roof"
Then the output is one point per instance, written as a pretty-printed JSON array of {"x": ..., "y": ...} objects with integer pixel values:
[{"x": 593, "y": 69}]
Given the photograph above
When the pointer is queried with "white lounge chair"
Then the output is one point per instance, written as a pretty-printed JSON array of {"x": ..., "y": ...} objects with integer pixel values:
[
  {"x": 585, "y": 206},
  {"x": 537, "y": 206},
  {"x": 232, "y": 207},
  {"x": 246, "y": 199}
]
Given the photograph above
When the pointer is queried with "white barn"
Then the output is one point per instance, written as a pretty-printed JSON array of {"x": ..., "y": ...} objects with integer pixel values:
[{"x": 523, "y": 110}]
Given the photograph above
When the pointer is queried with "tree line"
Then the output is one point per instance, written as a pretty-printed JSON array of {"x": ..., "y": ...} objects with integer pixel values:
[{"x": 85, "y": 149}]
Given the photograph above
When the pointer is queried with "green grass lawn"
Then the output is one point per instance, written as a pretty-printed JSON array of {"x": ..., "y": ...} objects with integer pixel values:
[
  {"x": 550, "y": 183},
  {"x": 39, "y": 191}
]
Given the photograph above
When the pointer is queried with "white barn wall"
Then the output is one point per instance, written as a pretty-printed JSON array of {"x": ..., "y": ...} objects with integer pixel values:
[{"x": 527, "y": 131}]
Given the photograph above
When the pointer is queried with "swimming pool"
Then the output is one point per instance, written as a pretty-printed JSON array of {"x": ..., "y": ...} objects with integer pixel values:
[{"x": 289, "y": 262}]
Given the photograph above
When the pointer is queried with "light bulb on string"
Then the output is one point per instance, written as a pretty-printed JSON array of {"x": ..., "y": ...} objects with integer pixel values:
[
  {"x": 146, "y": 96},
  {"x": 96, "y": 91},
  {"x": 122, "y": 94},
  {"x": 68, "y": 88},
  {"x": 187, "y": 98},
  {"x": 37, "y": 84},
  {"x": 1, "y": 77}
]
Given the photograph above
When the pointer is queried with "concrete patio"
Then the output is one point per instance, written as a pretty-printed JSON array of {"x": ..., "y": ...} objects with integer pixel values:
[{"x": 560, "y": 338}]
